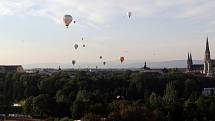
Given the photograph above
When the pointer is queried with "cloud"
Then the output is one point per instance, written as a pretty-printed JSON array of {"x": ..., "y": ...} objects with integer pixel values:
[
  {"x": 199, "y": 9},
  {"x": 103, "y": 11}
]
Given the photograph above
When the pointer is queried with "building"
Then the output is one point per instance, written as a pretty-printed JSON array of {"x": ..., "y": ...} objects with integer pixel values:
[
  {"x": 208, "y": 68},
  {"x": 148, "y": 70},
  {"x": 194, "y": 68},
  {"x": 11, "y": 69},
  {"x": 208, "y": 91}
]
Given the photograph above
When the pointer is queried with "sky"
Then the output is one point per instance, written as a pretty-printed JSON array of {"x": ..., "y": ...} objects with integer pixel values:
[{"x": 32, "y": 31}]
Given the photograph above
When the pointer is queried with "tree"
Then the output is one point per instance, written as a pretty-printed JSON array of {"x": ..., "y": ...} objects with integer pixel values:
[
  {"x": 190, "y": 87},
  {"x": 80, "y": 105},
  {"x": 62, "y": 97},
  {"x": 127, "y": 111},
  {"x": 212, "y": 111},
  {"x": 201, "y": 105},
  {"x": 169, "y": 95},
  {"x": 41, "y": 104},
  {"x": 28, "y": 106},
  {"x": 91, "y": 117},
  {"x": 189, "y": 109},
  {"x": 201, "y": 108},
  {"x": 78, "y": 109},
  {"x": 153, "y": 101}
]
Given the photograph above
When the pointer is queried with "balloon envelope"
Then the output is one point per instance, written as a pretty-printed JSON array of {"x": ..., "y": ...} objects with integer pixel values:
[
  {"x": 76, "y": 46},
  {"x": 122, "y": 59},
  {"x": 67, "y": 20},
  {"x": 129, "y": 14},
  {"x": 104, "y": 63},
  {"x": 100, "y": 57},
  {"x": 73, "y": 62}
]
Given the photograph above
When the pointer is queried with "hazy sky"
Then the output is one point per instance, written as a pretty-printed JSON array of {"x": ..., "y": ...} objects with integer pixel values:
[{"x": 32, "y": 31}]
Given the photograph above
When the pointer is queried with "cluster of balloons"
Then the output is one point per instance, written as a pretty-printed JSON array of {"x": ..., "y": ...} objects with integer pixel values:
[
  {"x": 68, "y": 19},
  {"x": 76, "y": 46}
]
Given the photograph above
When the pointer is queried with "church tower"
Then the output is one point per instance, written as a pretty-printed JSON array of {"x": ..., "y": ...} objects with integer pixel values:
[
  {"x": 189, "y": 62},
  {"x": 145, "y": 67},
  {"x": 207, "y": 60}
]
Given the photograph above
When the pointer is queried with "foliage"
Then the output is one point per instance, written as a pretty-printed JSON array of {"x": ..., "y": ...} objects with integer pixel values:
[{"x": 93, "y": 95}]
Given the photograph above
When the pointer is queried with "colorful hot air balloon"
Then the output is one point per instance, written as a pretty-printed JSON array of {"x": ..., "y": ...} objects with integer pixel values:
[
  {"x": 76, "y": 46},
  {"x": 122, "y": 59},
  {"x": 129, "y": 14},
  {"x": 67, "y": 20},
  {"x": 73, "y": 62}
]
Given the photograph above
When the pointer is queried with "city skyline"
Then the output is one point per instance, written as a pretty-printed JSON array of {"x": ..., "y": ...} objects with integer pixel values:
[{"x": 158, "y": 30}]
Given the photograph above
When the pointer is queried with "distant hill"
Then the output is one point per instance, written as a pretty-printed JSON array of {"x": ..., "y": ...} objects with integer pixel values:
[
  {"x": 128, "y": 64},
  {"x": 172, "y": 64}
]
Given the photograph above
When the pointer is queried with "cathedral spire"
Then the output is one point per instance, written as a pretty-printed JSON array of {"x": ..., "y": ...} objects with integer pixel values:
[
  {"x": 191, "y": 59},
  {"x": 188, "y": 58},
  {"x": 207, "y": 51},
  {"x": 188, "y": 61},
  {"x": 207, "y": 64},
  {"x": 207, "y": 46}
]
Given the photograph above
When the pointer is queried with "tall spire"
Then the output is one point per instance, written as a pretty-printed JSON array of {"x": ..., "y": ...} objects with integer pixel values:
[
  {"x": 207, "y": 63},
  {"x": 207, "y": 51},
  {"x": 188, "y": 58},
  {"x": 188, "y": 61},
  {"x": 191, "y": 59},
  {"x": 145, "y": 65},
  {"x": 207, "y": 46}
]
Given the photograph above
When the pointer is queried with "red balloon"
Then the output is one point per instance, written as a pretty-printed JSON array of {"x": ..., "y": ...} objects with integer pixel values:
[{"x": 122, "y": 59}]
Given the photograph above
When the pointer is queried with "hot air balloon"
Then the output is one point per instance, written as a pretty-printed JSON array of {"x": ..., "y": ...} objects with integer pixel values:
[
  {"x": 129, "y": 14},
  {"x": 74, "y": 22},
  {"x": 73, "y": 62},
  {"x": 104, "y": 63},
  {"x": 67, "y": 20},
  {"x": 84, "y": 45},
  {"x": 76, "y": 46},
  {"x": 100, "y": 57},
  {"x": 122, "y": 59}
]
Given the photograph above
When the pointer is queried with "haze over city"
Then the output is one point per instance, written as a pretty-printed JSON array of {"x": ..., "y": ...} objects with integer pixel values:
[{"x": 34, "y": 32}]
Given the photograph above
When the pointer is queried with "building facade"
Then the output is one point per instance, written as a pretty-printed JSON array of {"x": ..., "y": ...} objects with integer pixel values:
[
  {"x": 208, "y": 68},
  {"x": 11, "y": 69}
]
